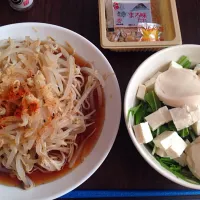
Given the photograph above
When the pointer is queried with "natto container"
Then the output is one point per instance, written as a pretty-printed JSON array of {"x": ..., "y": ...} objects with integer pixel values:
[{"x": 167, "y": 17}]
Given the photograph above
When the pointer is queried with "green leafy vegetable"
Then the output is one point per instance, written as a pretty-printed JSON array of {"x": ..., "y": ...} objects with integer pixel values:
[
  {"x": 179, "y": 171},
  {"x": 153, "y": 101},
  {"x": 160, "y": 130},
  {"x": 176, "y": 168},
  {"x": 187, "y": 65},
  {"x": 150, "y": 105},
  {"x": 184, "y": 133},
  {"x": 184, "y": 61},
  {"x": 134, "y": 110},
  {"x": 171, "y": 126},
  {"x": 149, "y": 110},
  {"x": 141, "y": 113},
  {"x": 163, "y": 128},
  {"x": 168, "y": 161}
]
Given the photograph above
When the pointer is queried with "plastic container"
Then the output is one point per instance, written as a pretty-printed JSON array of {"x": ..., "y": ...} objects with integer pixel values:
[{"x": 166, "y": 16}]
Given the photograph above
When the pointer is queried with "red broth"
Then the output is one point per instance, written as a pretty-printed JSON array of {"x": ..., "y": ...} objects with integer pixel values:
[{"x": 39, "y": 177}]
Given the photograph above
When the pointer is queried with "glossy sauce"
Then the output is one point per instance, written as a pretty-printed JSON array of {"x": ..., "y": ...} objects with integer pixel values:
[{"x": 39, "y": 177}]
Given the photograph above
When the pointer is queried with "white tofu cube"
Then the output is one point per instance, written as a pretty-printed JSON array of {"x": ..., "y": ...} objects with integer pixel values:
[
  {"x": 194, "y": 112},
  {"x": 185, "y": 117},
  {"x": 141, "y": 92},
  {"x": 182, "y": 160},
  {"x": 177, "y": 148},
  {"x": 195, "y": 115},
  {"x": 181, "y": 118},
  {"x": 166, "y": 114},
  {"x": 161, "y": 153},
  {"x": 150, "y": 83},
  {"x": 196, "y": 127},
  {"x": 158, "y": 118},
  {"x": 164, "y": 140},
  {"x": 175, "y": 65},
  {"x": 155, "y": 120},
  {"x": 197, "y": 68},
  {"x": 171, "y": 143},
  {"x": 143, "y": 133}
]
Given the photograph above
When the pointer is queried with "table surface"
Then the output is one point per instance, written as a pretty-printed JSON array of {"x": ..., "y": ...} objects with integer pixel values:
[{"x": 124, "y": 168}]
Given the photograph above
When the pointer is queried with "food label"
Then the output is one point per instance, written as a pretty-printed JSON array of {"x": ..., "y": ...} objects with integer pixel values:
[{"x": 128, "y": 13}]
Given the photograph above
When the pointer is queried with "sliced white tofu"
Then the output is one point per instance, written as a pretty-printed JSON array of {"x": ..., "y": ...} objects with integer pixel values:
[
  {"x": 194, "y": 112},
  {"x": 158, "y": 118},
  {"x": 181, "y": 118},
  {"x": 196, "y": 127},
  {"x": 175, "y": 65},
  {"x": 185, "y": 117},
  {"x": 155, "y": 120},
  {"x": 151, "y": 82},
  {"x": 141, "y": 92},
  {"x": 171, "y": 143},
  {"x": 177, "y": 147},
  {"x": 166, "y": 114},
  {"x": 181, "y": 160},
  {"x": 161, "y": 152},
  {"x": 164, "y": 140},
  {"x": 197, "y": 68},
  {"x": 143, "y": 133}
]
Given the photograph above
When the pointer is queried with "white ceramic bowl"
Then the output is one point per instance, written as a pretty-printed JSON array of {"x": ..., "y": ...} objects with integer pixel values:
[
  {"x": 112, "y": 115},
  {"x": 156, "y": 62}
]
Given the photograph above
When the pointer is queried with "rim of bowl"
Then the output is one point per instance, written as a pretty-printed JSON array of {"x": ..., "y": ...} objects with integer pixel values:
[
  {"x": 167, "y": 174},
  {"x": 118, "y": 92}
]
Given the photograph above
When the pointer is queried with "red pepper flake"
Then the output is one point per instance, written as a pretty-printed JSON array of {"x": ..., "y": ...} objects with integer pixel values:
[
  {"x": 63, "y": 57},
  {"x": 33, "y": 107},
  {"x": 18, "y": 112},
  {"x": 16, "y": 95}
]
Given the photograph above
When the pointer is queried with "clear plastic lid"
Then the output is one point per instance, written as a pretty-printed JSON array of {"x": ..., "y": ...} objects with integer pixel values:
[{"x": 133, "y": 20}]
